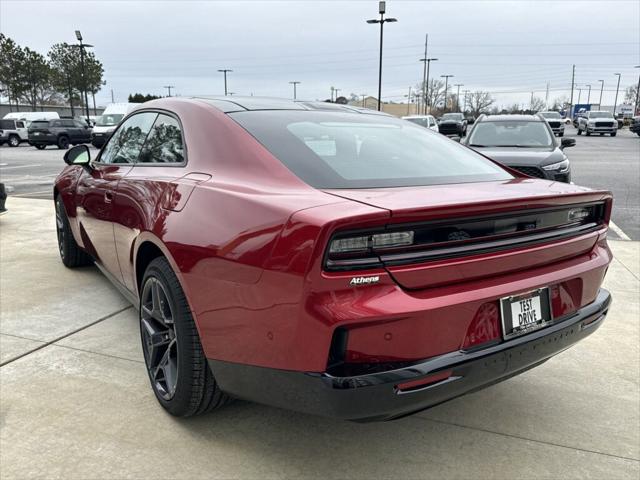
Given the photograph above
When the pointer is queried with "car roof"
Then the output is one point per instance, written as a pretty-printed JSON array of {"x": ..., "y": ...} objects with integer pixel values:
[
  {"x": 511, "y": 117},
  {"x": 236, "y": 103},
  {"x": 406, "y": 117}
]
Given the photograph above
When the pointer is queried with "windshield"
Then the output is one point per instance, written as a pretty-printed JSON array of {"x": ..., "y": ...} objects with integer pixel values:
[
  {"x": 452, "y": 116},
  {"x": 600, "y": 115},
  {"x": 511, "y": 133},
  {"x": 345, "y": 150},
  {"x": 551, "y": 115},
  {"x": 109, "y": 119},
  {"x": 423, "y": 122}
]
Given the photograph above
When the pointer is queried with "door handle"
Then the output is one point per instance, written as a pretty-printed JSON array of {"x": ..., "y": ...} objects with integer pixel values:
[{"x": 108, "y": 197}]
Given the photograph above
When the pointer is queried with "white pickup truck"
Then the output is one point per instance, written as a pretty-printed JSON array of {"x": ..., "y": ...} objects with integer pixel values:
[{"x": 596, "y": 121}]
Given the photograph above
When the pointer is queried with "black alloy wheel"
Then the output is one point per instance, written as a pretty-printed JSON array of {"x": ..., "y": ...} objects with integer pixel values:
[
  {"x": 159, "y": 339},
  {"x": 70, "y": 252}
]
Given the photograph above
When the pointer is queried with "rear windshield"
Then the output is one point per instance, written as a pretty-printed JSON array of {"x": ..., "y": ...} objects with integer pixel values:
[
  {"x": 422, "y": 121},
  {"x": 511, "y": 133},
  {"x": 109, "y": 119},
  {"x": 39, "y": 124},
  {"x": 344, "y": 150},
  {"x": 551, "y": 115}
]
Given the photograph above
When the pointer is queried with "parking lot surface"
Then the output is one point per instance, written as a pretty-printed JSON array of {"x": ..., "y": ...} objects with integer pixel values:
[
  {"x": 598, "y": 162},
  {"x": 75, "y": 401}
]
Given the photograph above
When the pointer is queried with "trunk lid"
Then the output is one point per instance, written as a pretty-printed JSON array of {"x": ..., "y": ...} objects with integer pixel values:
[{"x": 482, "y": 206}]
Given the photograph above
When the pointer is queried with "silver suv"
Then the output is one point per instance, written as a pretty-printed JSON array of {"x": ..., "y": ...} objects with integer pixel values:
[{"x": 555, "y": 121}]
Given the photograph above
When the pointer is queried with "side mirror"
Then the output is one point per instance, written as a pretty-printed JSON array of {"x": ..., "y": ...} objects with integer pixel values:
[
  {"x": 567, "y": 142},
  {"x": 78, "y": 155}
]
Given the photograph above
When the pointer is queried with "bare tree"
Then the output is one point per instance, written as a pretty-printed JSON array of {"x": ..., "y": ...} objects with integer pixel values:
[
  {"x": 630, "y": 94},
  {"x": 479, "y": 102},
  {"x": 435, "y": 94},
  {"x": 537, "y": 105}
]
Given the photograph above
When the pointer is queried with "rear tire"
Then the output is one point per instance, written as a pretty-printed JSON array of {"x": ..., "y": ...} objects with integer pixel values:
[
  {"x": 579, "y": 131},
  {"x": 13, "y": 141},
  {"x": 178, "y": 370},
  {"x": 40, "y": 147},
  {"x": 63, "y": 142},
  {"x": 70, "y": 253}
]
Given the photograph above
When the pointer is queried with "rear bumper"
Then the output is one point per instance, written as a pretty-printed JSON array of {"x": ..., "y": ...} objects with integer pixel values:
[{"x": 376, "y": 396}]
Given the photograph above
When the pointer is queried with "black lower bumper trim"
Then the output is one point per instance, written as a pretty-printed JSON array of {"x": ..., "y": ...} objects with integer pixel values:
[{"x": 376, "y": 396}]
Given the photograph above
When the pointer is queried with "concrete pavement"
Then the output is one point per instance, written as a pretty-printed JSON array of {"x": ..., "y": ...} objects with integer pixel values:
[{"x": 75, "y": 400}]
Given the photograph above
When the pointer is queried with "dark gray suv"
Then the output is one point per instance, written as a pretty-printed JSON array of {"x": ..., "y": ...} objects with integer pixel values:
[
  {"x": 60, "y": 133},
  {"x": 523, "y": 142}
]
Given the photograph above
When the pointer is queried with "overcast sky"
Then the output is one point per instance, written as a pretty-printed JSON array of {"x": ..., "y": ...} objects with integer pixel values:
[{"x": 507, "y": 48}]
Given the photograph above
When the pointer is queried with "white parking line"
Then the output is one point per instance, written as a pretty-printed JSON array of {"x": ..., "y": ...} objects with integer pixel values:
[
  {"x": 20, "y": 166},
  {"x": 619, "y": 231},
  {"x": 27, "y": 194}
]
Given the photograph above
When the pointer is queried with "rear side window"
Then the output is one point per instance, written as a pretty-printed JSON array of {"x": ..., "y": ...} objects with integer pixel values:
[
  {"x": 7, "y": 124},
  {"x": 39, "y": 124},
  {"x": 344, "y": 150},
  {"x": 68, "y": 123},
  {"x": 57, "y": 123},
  {"x": 164, "y": 143},
  {"x": 125, "y": 144}
]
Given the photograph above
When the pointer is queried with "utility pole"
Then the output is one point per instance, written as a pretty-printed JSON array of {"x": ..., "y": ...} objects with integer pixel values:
[
  {"x": 337, "y": 90},
  {"x": 615, "y": 103},
  {"x": 382, "y": 21},
  {"x": 112, "y": 100},
  {"x": 294, "y": 83},
  {"x": 637, "y": 105},
  {"x": 531, "y": 103},
  {"x": 573, "y": 77},
  {"x": 426, "y": 88},
  {"x": 588, "y": 95},
  {"x": 225, "y": 71},
  {"x": 601, "y": 90},
  {"x": 458, "y": 96},
  {"x": 466, "y": 93},
  {"x": 332, "y": 89},
  {"x": 169, "y": 87},
  {"x": 579, "y": 94},
  {"x": 364, "y": 102},
  {"x": 546, "y": 97},
  {"x": 409, "y": 101},
  {"x": 446, "y": 85},
  {"x": 424, "y": 72}
]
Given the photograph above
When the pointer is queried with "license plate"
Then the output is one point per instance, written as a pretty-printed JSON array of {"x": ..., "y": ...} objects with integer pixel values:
[
  {"x": 36, "y": 133},
  {"x": 522, "y": 314}
]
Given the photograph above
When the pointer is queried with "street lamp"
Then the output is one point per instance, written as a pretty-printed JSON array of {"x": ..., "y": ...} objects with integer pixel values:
[
  {"x": 382, "y": 21},
  {"x": 589, "y": 95},
  {"x": 446, "y": 84},
  {"x": 601, "y": 90},
  {"x": 615, "y": 103},
  {"x": 426, "y": 80},
  {"x": 458, "y": 96},
  {"x": 294, "y": 83},
  {"x": 579, "y": 94},
  {"x": 82, "y": 46},
  {"x": 169, "y": 87},
  {"x": 224, "y": 71},
  {"x": 637, "y": 105}
]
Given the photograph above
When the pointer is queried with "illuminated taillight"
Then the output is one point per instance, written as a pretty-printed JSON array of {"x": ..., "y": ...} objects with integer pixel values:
[{"x": 485, "y": 326}]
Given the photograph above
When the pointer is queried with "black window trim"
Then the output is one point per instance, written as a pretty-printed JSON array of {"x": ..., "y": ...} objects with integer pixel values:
[{"x": 157, "y": 111}]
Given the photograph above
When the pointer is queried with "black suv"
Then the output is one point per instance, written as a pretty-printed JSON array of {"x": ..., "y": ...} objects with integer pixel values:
[
  {"x": 60, "y": 132},
  {"x": 523, "y": 142},
  {"x": 453, "y": 124}
]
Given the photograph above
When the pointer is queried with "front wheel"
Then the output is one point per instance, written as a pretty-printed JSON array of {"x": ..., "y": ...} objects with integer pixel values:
[
  {"x": 70, "y": 252},
  {"x": 579, "y": 131},
  {"x": 14, "y": 141},
  {"x": 614, "y": 134},
  {"x": 178, "y": 370},
  {"x": 587, "y": 133}
]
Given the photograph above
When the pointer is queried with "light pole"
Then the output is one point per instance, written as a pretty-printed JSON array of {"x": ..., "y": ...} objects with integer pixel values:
[
  {"x": 336, "y": 90},
  {"x": 466, "y": 93},
  {"x": 409, "y": 100},
  {"x": 294, "y": 83},
  {"x": 364, "y": 96},
  {"x": 382, "y": 21},
  {"x": 169, "y": 87},
  {"x": 84, "y": 73},
  {"x": 458, "y": 96},
  {"x": 637, "y": 105},
  {"x": 446, "y": 85},
  {"x": 579, "y": 94},
  {"x": 224, "y": 71},
  {"x": 424, "y": 72},
  {"x": 588, "y": 95},
  {"x": 426, "y": 84},
  {"x": 615, "y": 103},
  {"x": 601, "y": 90}
]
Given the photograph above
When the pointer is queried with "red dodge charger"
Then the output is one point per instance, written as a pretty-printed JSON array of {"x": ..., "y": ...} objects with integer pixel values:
[{"x": 329, "y": 259}]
